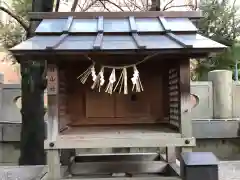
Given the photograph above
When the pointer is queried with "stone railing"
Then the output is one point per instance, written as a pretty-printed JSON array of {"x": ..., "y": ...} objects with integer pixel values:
[{"x": 215, "y": 116}]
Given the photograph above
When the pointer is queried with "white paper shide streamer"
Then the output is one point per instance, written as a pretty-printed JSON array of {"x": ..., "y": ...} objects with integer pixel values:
[
  {"x": 93, "y": 73},
  {"x": 122, "y": 81},
  {"x": 99, "y": 81},
  {"x": 112, "y": 80},
  {"x": 84, "y": 76},
  {"x": 137, "y": 85},
  {"x": 121, "y": 84},
  {"x": 125, "y": 90}
]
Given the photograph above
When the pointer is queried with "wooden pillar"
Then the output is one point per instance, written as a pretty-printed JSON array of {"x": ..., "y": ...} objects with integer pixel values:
[
  {"x": 53, "y": 156},
  {"x": 184, "y": 87}
]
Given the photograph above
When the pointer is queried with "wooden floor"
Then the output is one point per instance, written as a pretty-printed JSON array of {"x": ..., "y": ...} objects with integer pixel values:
[
  {"x": 121, "y": 131},
  {"x": 119, "y": 136}
]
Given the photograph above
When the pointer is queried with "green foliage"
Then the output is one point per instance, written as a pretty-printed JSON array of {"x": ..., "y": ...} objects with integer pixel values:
[
  {"x": 221, "y": 24},
  {"x": 12, "y": 33},
  {"x": 22, "y": 7}
]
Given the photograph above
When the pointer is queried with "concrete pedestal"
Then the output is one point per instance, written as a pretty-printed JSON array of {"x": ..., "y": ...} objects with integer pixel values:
[{"x": 198, "y": 166}]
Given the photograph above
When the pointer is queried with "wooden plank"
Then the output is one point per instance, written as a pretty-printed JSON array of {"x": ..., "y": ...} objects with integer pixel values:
[
  {"x": 149, "y": 14},
  {"x": 119, "y": 136},
  {"x": 132, "y": 167}
]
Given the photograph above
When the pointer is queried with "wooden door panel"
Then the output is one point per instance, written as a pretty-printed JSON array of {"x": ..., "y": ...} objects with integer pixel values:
[
  {"x": 99, "y": 104},
  {"x": 132, "y": 105}
]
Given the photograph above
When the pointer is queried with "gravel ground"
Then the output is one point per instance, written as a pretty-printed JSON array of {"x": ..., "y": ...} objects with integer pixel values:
[{"x": 228, "y": 170}]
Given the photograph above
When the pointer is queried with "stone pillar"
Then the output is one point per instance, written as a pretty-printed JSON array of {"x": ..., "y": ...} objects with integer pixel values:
[
  {"x": 222, "y": 93},
  {"x": 1, "y": 86},
  {"x": 1, "y": 78}
]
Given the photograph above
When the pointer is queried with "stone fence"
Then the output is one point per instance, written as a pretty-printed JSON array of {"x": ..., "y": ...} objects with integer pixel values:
[{"x": 215, "y": 116}]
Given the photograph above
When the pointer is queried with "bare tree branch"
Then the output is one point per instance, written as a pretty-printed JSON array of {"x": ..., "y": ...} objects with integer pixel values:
[
  {"x": 104, "y": 6},
  {"x": 166, "y": 5},
  {"x": 17, "y": 18},
  {"x": 196, "y": 5},
  {"x": 89, "y": 6},
  {"x": 184, "y": 5},
  {"x": 74, "y": 5},
  {"x": 110, "y": 2},
  {"x": 57, "y": 5}
]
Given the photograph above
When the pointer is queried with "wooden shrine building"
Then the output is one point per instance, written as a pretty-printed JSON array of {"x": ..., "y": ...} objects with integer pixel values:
[{"x": 115, "y": 80}]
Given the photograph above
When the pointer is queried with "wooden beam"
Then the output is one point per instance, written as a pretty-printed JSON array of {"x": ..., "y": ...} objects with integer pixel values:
[
  {"x": 149, "y": 14},
  {"x": 53, "y": 160},
  {"x": 74, "y": 141},
  {"x": 184, "y": 84}
]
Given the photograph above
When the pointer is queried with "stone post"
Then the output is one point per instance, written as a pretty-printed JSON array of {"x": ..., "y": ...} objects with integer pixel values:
[
  {"x": 1, "y": 86},
  {"x": 222, "y": 93}
]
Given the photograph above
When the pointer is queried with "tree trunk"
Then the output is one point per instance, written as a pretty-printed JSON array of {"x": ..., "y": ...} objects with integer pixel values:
[
  {"x": 33, "y": 85},
  {"x": 155, "y": 5}
]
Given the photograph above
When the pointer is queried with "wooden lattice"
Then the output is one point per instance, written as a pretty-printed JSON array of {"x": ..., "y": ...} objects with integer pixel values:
[
  {"x": 63, "y": 118},
  {"x": 174, "y": 97}
]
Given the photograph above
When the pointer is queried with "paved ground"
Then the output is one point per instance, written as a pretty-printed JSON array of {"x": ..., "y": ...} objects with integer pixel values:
[{"x": 228, "y": 170}]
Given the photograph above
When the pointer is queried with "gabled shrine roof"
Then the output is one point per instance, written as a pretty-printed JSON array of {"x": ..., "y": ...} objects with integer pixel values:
[{"x": 119, "y": 31}]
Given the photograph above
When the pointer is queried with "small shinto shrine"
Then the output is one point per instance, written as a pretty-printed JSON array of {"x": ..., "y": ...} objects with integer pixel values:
[{"x": 116, "y": 80}]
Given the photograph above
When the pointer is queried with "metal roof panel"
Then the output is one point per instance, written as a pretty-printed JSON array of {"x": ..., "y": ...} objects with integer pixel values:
[
  {"x": 181, "y": 24},
  {"x": 51, "y": 26},
  {"x": 146, "y": 25},
  {"x": 84, "y": 25},
  {"x": 199, "y": 41},
  {"x": 117, "y": 42}
]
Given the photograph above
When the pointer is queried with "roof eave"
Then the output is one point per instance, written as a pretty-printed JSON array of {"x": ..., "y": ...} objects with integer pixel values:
[{"x": 81, "y": 15}]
